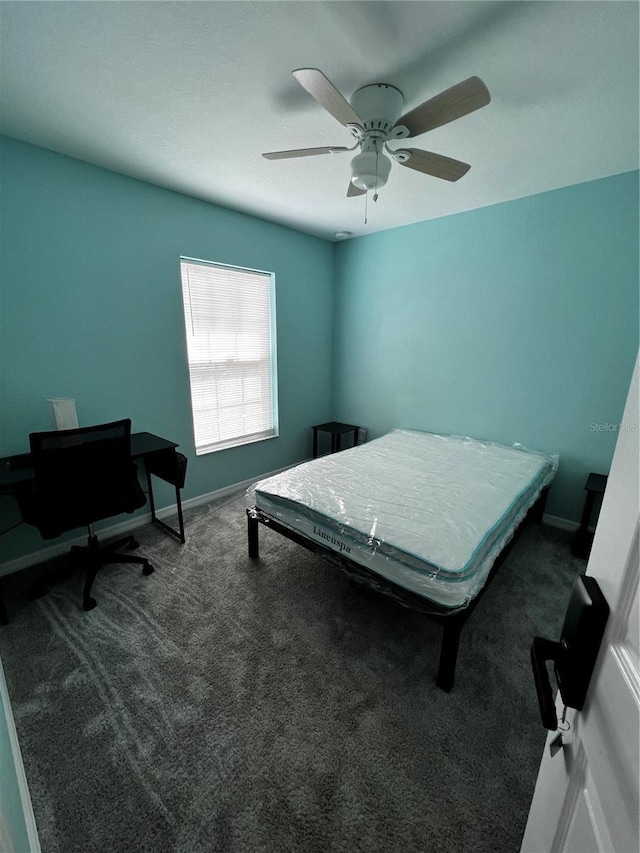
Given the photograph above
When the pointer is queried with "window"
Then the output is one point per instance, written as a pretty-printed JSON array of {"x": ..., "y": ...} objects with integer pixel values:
[{"x": 231, "y": 346}]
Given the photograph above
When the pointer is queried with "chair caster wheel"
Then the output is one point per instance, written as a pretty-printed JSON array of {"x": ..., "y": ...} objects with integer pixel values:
[
  {"x": 147, "y": 569},
  {"x": 133, "y": 544},
  {"x": 89, "y": 604}
]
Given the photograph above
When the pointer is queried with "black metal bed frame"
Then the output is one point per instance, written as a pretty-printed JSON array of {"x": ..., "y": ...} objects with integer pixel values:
[{"x": 452, "y": 620}]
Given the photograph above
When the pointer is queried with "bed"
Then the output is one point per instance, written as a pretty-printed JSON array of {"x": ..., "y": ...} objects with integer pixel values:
[{"x": 424, "y": 518}]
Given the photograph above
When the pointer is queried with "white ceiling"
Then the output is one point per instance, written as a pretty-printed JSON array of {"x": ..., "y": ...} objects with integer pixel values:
[{"x": 187, "y": 95}]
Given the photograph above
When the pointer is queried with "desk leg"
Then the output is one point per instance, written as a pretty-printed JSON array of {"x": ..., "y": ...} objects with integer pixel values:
[
  {"x": 178, "y": 534},
  {"x": 180, "y": 519},
  {"x": 150, "y": 492},
  {"x": 335, "y": 442},
  {"x": 315, "y": 442},
  {"x": 355, "y": 438}
]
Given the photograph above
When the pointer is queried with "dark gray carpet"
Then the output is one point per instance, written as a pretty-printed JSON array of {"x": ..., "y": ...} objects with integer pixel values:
[{"x": 220, "y": 705}]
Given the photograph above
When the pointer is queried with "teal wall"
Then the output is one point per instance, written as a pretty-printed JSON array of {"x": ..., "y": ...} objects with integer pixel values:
[
  {"x": 91, "y": 308},
  {"x": 517, "y": 322}
]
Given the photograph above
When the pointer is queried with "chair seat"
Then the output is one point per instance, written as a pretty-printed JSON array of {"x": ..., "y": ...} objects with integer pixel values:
[{"x": 37, "y": 508}]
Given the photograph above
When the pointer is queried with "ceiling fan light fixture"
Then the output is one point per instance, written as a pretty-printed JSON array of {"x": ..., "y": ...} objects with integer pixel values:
[{"x": 370, "y": 170}]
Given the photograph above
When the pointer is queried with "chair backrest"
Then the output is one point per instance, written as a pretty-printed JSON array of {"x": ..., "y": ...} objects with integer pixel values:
[{"x": 83, "y": 475}]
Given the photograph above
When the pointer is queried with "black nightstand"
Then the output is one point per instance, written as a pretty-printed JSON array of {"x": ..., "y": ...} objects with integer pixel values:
[
  {"x": 336, "y": 429},
  {"x": 583, "y": 538}
]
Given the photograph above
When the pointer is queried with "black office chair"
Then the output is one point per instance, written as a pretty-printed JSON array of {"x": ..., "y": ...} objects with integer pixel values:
[{"x": 82, "y": 476}]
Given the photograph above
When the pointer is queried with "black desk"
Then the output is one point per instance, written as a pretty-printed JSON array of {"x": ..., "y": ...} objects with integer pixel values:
[{"x": 158, "y": 455}]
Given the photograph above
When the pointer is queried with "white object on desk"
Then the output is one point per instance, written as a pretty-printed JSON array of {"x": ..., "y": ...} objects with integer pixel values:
[{"x": 63, "y": 413}]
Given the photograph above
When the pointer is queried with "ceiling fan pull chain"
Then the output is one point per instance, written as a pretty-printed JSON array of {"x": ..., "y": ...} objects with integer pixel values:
[
  {"x": 375, "y": 189},
  {"x": 366, "y": 196}
]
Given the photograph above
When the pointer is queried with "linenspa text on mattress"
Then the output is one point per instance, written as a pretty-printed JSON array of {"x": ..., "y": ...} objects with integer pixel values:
[{"x": 340, "y": 545}]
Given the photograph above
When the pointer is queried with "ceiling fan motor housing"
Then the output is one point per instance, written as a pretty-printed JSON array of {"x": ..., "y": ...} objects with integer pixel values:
[{"x": 378, "y": 105}]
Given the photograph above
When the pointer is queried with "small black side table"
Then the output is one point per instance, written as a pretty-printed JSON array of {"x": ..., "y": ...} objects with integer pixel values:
[
  {"x": 336, "y": 429},
  {"x": 583, "y": 538}
]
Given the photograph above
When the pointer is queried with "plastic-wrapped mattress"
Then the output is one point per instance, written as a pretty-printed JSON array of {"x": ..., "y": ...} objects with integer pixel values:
[{"x": 428, "y": 512}]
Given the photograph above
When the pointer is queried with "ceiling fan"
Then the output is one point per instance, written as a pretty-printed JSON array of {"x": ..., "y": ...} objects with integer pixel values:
[{"x": 374, "y": 118}]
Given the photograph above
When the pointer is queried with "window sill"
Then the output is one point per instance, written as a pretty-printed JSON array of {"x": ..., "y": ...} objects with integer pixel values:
[{"x": 228, "y": 445}]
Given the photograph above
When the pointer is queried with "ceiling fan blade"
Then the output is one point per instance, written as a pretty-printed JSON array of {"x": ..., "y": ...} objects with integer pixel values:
[
  {"x": 449, "y": 105},
  {"x": 303, "y": 152},
  {"x": 326, "y": 94},
  {"x": 436, "y": 165},
  {"x": 353, "y": 190}
]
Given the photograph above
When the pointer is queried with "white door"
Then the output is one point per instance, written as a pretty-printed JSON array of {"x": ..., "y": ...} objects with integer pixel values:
[{"x": 586, "y": 796}]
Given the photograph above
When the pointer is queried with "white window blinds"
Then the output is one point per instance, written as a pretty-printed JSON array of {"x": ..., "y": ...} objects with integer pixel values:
[{"x": 230, "y": 327}]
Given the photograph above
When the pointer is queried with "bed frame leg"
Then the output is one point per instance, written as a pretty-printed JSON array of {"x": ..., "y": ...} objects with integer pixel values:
[
  {"x": 252, "y": 537},
  {"x": 448, "y": 654},
  {"x": 537, "y": 510}
]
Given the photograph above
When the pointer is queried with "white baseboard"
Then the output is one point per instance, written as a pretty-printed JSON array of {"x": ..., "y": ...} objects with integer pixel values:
[
  {"x": 124, "y": 527},
  {"x": 562, "y": 523}
]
